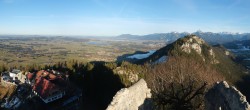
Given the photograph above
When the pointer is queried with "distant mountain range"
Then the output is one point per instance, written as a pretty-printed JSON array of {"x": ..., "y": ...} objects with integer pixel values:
[{"x": 210, "y": 37}]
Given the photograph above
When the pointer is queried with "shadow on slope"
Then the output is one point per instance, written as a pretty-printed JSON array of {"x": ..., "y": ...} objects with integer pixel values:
[
  {"x": 99, "y": 86},
  {"x": 243, "y": 86}
]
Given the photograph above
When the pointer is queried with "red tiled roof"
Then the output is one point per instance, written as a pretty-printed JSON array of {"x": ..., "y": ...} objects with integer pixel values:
[
  {"x": 44, "y": 87},
  {"x": 47, "y": 83},
  {"x": 49, "y": 76},
  {"x": 52, "y": 76},
  {"x": 41, "y": 73}
]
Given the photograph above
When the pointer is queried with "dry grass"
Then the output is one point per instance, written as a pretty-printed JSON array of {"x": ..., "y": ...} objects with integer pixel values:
[
  {"x": 3, "y": 92},
  {"x": 6, "y": 91}
]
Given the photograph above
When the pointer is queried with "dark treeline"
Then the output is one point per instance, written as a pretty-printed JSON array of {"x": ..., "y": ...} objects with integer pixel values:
[{"x": 97, "y": 80}]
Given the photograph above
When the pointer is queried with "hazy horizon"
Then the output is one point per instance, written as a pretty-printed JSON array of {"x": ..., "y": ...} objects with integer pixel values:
[
  {"x": 116, "y": 17},
  {"x": 63, "y": 35}
]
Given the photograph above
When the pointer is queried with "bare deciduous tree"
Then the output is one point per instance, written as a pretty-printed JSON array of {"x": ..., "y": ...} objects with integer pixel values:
[{"x": 181, "y": 83}]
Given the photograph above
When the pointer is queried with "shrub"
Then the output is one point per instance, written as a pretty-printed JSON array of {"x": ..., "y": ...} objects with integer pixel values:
[{"x": 181, "y": 83}]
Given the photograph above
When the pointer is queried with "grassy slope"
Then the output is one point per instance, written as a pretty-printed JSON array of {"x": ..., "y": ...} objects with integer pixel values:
[{"x": 230, "y": 69}]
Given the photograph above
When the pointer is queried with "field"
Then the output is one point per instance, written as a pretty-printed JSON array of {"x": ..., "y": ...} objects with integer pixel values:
[{"x": 23, "y": 50}]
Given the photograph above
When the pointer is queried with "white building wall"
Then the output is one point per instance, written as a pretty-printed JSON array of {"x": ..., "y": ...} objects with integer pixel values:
[
  {"x": 54, "y": 97},
  {"x": 13, "y": 75}
]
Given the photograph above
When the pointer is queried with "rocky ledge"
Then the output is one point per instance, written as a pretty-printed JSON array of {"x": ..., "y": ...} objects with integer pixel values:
[
  {"x": 225, "y": 97},
  {"x": 132, "y": 98}
]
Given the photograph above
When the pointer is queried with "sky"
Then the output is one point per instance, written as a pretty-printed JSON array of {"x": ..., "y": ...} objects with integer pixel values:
[{"x": 115, "y": 17}]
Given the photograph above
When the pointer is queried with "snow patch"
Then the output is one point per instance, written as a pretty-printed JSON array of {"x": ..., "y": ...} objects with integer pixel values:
[
  {"x": 161, "y": 60},
  {"x": 238, "y": 50},
  {"x": 248, "y": 59},
  {"x": 142, "y": 56}
]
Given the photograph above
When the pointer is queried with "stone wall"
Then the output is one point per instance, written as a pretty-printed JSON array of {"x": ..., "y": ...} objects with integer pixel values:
[
  {"x": 132, "y": 98},
  {"x": 225, "y": 97}
]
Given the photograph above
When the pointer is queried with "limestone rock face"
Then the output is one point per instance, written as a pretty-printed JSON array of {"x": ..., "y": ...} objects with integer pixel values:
[
  {"x": 225, "y": 97},
  {"x": 132, "y": 98},
  {"x": 193, "y": 43},
  {"x": 197, "y": 44}
]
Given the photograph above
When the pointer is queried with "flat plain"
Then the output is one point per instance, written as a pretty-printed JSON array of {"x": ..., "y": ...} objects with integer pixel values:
[{"x": 43, "y": 50}]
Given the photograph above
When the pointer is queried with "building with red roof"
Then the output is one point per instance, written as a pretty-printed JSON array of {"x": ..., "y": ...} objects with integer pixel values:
[{"x": 48, "y": 86}]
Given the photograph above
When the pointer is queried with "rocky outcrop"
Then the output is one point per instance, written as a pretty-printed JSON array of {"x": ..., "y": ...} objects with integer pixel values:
[
  {"x": 225, "y": 97},
  {"x": 193, "y": 42},
  {"x": 132, "y": 76},
  {"x": 197, "y": 44},
  {"x": 132, "y": 98}
]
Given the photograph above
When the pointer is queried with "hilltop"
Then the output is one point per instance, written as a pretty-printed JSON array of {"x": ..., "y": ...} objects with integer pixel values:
[
  {"x": 182, "y": 72},
  {"x": 194, "y": 47}
]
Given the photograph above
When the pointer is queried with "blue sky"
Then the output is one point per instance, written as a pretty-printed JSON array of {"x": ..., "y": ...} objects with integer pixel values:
[{"x": 114, "y": 17}]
